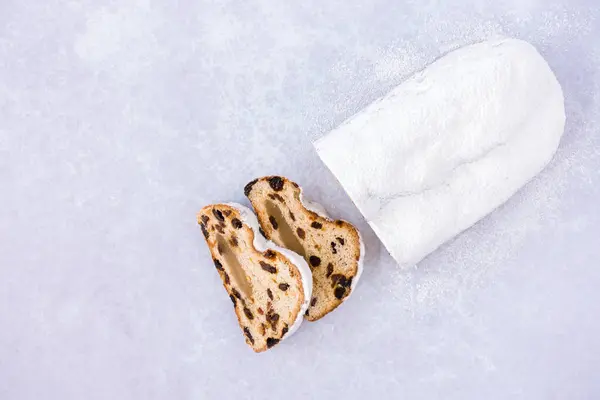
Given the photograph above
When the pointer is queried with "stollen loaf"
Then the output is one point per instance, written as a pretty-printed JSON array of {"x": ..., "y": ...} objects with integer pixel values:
[
  {"x": 333, "y": 249},
  {"x": 270, "y": 287},
  {"x": 449, "y": 145}
]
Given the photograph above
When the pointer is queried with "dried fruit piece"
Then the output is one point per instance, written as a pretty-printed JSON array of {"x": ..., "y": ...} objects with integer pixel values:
[
  {"x": 333, "y": 249},
  {"x": 314, "y": 261},
  {"x": 236, "y": 293},
  {"x": 301, "y": 233},
  {"x": 248, "y": 335},
  {"x": 272, "y": 342},
  {"x": 270, "y": 294},
  {"x": 218, "y": 214},
  {"x": 218, "y": 264},
  {"x": 284, "y": 286},
  {"x": 248, "y": 313},
  {"x": 276, "y": 183},
  {"x": 341, "y": 240},
  {"x": 236, "y": 223},
  {"x": 204, "y": 231},
  {"x": 273, "y": 222},
  {"x": 262, "y": 233},
  {"x": 248, "y": 187},
  {"x": 339, "y": 292},
  {"x": 329, "y": 270},
  {"x": 268, "y": 267},
  {"x": 270, "y": 254},
  {"x": 205, "y": 219},
  {"x": 316, "y": 225}
]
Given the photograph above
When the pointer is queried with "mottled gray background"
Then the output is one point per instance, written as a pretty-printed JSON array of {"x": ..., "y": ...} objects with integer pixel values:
[{"x": 119, "y": 120}]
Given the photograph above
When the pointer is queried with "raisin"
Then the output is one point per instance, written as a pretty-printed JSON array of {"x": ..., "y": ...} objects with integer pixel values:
[
  {"x": 204, "y": 231},
  {"x": 313, "y": 302},
  {"x": 270, "y": 254},
  {"x": 301, "y": 233},
  {"x": 260, "y": 311},
  {"x": 284, "y": 330},
  {"x": 314, "y": 261},
  {"x": 248, "y": 313},
  {"x": 218, "y": 264},
  {"x": 227, "y": 213},
  {"x": 272, "y": 196},
  {"x": 205, "y": 219},
  {"x": 218, "y": 214},
  {"x": 341, "y": 240},
  {"x": 236, "y": 293},
  {"x": 262, "y": 233},
  {"x": 232, "y": 299},
  {"x": 276, "y": 183},
  {"x": 272, "y": 319},
  {"x": 292, "y": 216},
  {"x": 306, "y": 313},
  {"x": 329, "y": 269},
  {"x": 284, "y": 286},
  {"x": 270, "y": 294},
  {"x": 333, "y": 249},
  {"x": 268, "y": 267},
  {"x": 273, "y": 222},
  {"x": 272, "y": 342},
  {"x": 234, "y": 241},
  {"x": 339, "y": 279},
  {"x": 316, "y": 225},
  {"x": 237, "y": 224},
  {"x": 248, "y": 187},
  {"x": 220, "y": 229},
  {"x": 339, "y": 292},
  {"x": 277, "y": 196},
  {"x": 248, "y": 335},
  {"x": 226, "y": 278},
  {"x": 349, "y": 281}
]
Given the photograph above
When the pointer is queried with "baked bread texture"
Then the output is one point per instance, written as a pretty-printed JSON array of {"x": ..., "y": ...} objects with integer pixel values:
[
  {"x": 270, "y": 287},
  {"x": 333, "y": 248}
]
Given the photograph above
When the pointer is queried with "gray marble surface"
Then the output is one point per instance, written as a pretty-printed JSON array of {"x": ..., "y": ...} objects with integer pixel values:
[{"x": 120, "y": 120}]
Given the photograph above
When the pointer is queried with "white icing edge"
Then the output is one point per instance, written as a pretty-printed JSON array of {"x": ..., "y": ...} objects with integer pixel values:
[
  {"x": 361, "y": 261},
  {"x": 320, "y": 211},
  {"x": 313, "y": 206},
  {"x": 262, "y": 244}
]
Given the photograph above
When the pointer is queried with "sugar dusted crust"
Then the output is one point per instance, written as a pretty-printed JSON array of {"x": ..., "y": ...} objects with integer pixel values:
[
  {"x": 333, "y": 249},
  {"x": 265, "y": 287}
]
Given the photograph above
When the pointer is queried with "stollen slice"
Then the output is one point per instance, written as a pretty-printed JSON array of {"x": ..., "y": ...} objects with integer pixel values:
[
  {"x": 270, "y": 287},
  {"x": 333, "y": 248}
]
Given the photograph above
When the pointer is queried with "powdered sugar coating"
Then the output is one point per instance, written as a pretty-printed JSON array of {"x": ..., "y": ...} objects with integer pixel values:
[{"x": 449, "y": 145}]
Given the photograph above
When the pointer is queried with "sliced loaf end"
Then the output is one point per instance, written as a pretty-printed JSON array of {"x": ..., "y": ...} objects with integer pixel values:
[
  {"x": 265, "y": 287},
  {"x": 332, "y": 248}
]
